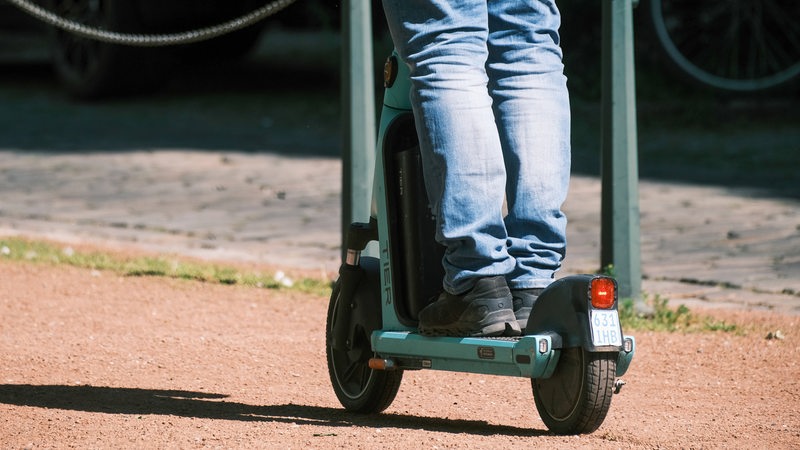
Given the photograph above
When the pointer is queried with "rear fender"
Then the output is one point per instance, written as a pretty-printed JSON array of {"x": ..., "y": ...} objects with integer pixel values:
[{"x": 563, "y": 309}]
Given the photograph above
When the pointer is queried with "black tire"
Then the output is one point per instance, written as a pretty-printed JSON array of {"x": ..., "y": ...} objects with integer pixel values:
[
  {"x": 358, "y": 388},
  {"x": 90, "y": 69},
  {"x": 576, "y": 398},
  {"x": 734, "y": 46}
]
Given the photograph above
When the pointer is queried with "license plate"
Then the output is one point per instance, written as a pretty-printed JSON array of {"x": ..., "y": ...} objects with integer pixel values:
[{"x": 605, "y": 328}]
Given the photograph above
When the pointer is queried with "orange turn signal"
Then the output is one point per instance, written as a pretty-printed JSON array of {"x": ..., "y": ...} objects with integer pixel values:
[
  {"x": 603, "y": 292},
  {"x": 381, "y": 364}
]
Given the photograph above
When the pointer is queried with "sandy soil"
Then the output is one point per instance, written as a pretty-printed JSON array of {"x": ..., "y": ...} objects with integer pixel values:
[{"x": 93, "y": 360}]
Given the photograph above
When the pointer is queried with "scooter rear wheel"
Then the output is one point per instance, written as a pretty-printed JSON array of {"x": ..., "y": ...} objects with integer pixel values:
[
  {"x": 576, "y": 398},
  {"x": 358, "y": 387}
]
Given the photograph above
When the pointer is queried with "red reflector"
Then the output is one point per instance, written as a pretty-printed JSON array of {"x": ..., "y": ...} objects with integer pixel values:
[{"x": 603, "y": 292}]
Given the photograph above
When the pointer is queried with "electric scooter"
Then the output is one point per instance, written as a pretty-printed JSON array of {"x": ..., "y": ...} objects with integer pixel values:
[{"x": 573, "y": 348}]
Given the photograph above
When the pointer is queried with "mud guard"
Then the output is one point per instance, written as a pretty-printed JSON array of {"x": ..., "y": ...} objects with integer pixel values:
[
  {"x": 361, "y": 285},
  {"x": 563, "y": 309}
]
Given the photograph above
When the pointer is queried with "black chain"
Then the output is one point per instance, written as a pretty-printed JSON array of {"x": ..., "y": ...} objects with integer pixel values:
[{"x": 151, "y": 40}]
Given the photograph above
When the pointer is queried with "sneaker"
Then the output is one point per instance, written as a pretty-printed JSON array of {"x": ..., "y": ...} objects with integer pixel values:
[
  {"x": 483, "y": 311},
  {"x": 523, "y": 303}
]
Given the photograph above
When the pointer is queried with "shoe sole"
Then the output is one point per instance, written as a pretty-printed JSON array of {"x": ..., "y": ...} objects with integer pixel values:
[
  {"x": 497, "y": 323},
  {"x": 523, "y": 314}
]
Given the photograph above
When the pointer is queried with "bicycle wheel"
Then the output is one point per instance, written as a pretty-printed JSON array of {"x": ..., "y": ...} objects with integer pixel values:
[
  {"x": 735, "y": 45},
  {"x": 576, "y": 398}
]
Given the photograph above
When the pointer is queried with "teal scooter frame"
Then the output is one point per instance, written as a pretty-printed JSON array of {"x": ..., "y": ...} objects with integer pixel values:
[{"x": 573, "y": 348}]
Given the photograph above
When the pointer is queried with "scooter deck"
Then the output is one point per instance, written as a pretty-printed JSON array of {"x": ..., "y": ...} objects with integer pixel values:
[{"x": 532, "y": 356}]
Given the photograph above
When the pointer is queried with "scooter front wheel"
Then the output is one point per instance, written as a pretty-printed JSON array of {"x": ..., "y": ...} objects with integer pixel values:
[
  {"x": 576, "y": 398},
  {"x": 358, "y": 387}
]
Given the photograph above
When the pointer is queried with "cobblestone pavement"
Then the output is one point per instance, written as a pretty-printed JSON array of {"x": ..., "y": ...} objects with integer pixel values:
[
  {"x": 203, "y": 170},
  {"x": 700, "y": 245}
]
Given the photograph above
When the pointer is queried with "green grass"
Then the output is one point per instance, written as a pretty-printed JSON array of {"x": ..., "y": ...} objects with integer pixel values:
[
  {"x": 40, "y": 252},
  {"x": 664, "y": 318}
]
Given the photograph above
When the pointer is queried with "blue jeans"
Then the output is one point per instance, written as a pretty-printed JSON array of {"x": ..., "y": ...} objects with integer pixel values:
[{"x": 492, "y": 113}]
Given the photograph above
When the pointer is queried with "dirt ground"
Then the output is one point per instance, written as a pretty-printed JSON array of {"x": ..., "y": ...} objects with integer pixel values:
[{"x": 94, "y": 360}]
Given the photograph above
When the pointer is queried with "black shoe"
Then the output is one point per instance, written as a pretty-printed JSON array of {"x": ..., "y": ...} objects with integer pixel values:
[
  {"x": 523, "y": 303},
  {"x": 485, "y": 310}
]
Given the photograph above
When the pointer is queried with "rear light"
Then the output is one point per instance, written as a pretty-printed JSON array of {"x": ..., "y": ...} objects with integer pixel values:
[{"x": 603, "y": 292}]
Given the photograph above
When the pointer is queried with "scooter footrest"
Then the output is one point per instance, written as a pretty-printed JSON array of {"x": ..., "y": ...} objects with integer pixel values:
[{"x": 529, "y": 356}]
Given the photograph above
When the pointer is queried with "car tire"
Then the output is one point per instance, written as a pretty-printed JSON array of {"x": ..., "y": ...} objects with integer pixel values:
[{"x": 90, "y": 69}]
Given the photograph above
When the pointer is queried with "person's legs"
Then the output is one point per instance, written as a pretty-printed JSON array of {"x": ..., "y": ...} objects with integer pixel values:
[
  {"x": 444, "y": 43},
  {"x": 531, "y": 107}
]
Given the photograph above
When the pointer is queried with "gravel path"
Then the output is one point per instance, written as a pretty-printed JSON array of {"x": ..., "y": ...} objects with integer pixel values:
[{"x": 93, "y": 360}]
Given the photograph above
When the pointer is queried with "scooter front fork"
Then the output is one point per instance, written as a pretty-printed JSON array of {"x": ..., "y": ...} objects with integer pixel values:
[{"x": 351, "y": 275}]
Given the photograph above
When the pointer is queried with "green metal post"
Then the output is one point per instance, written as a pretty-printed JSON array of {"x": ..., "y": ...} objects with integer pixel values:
[
  {"x": 620, "y": 242},
  {"x": 358, "y": 112}
]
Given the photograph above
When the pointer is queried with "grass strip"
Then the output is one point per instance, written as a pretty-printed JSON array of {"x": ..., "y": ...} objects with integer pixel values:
[
  {"x": 42, "y": 252},
  {"x": 664, "y": 318}
]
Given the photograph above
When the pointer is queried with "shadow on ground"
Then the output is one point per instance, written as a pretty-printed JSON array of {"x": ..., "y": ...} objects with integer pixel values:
[{"x": 201, "y": 405}]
